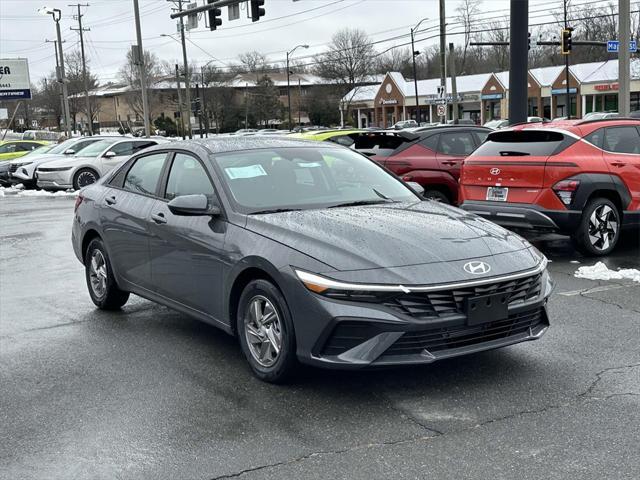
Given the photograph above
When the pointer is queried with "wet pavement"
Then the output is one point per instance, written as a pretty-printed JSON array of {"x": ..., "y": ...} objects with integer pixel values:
[{"x": 150, "y": 393}]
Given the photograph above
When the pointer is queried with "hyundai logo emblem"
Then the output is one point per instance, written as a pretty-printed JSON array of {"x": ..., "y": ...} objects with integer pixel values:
[
  {"x": 477, "y": 268},
  {"x": 494, "y": 171}
]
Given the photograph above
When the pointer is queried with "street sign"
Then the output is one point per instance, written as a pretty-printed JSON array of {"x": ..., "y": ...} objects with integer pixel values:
[
  {"x": 14, "y": 79},
  {"x": 613, "y": 46},
  {"x": 192, "y": 19},
  {"x": 440, "y": 91},
  {"x": 441, "y": 110}
]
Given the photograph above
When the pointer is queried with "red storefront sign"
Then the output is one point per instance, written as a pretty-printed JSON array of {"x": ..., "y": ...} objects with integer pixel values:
[{"x": 606, "y": 86}]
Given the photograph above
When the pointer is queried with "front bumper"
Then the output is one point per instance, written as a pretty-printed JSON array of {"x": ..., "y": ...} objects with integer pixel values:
[
  {"x": 53, "y": 180},
  {"x": 525, "y": 216},
  {"x": 350, "y": 335}
]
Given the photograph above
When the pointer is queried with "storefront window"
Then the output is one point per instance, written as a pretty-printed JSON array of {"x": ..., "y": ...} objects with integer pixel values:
[
  {"x": 635, "y": 101},
  {"x": 611, "y": 103}
]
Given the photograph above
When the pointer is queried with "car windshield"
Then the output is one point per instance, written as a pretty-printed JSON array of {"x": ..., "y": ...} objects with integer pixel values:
[
  {"x": 95, "y": 149},
  {"x": 61, "y": 147},
  {"x": 305, "y": 178},
  {"x": 41, "y": 150}
]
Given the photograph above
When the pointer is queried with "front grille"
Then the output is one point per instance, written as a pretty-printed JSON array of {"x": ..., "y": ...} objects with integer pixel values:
[
  {"x": 13, "y": 167},
  {"x": 435, "y": 340},
  {"x": 446, "y": 303}
]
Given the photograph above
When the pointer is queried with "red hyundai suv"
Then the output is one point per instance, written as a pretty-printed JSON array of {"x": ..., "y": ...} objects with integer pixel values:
[
  {"x": 433, "y": 158},
  {"x": 579, "y": 178}
]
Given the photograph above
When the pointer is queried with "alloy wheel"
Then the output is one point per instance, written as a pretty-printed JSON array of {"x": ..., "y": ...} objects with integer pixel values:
[
  {"x": 603, "y": 227},
  {"x": 263, "y": 331},
  {"x": 86, "y": 178},
  {"x": 98, "y": 273}
]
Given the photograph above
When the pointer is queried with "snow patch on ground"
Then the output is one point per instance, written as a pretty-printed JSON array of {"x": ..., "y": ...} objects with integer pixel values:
[
  {"x": 18, "y": 190},
  {"x": 600, "y": 271}
]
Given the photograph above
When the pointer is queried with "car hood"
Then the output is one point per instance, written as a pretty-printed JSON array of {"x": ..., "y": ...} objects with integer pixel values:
[
  {"x": 388, "y": 235},
  {"x": 65, "y": 161},
  {"x": 45, "y": 157}
]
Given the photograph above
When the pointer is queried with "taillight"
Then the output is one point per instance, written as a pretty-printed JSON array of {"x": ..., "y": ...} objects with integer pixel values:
[
  {"x": 79, "y": 200},
  {"x": 566, "y": 190}
]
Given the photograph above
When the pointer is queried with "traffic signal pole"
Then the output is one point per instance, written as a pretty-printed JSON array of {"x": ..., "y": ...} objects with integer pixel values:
[
  {"x": 518, "y": 61},
  {"x": 623, "y": 58}
]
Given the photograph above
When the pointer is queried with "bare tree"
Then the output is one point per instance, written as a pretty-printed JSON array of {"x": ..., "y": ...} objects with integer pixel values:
[
  {"x": 75, "y": 86},
  {"x": 348, "y": 62},
  {"x": 394, "y": 60},
  {"x": 130, "y": 75},
  {"x": 467, "y": 13}
]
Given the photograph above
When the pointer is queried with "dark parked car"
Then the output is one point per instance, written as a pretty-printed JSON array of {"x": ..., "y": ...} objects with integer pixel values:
[
  {"x": 307, "y": 253},
  {"x": 433, "y": 158}
]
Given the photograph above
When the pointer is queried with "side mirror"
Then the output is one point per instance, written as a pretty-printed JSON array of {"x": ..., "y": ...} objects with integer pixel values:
[
  {"x": 69, "y": 151},
  {"x": 419, "y": 189},
  {"x": 192, "y": 205},
  {"x": 110, "y": 154}
]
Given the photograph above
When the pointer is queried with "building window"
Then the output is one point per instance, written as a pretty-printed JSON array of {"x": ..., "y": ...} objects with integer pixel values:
[{"x": 635, "y": 101}]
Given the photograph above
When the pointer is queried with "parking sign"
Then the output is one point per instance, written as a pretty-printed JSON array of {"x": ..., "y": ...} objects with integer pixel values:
[{"x": 442, "y": 110}]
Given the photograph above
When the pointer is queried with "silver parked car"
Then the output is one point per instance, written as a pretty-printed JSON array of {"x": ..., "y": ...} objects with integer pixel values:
[
  {"x": 23, "y": 169},
  {"x": 91, "y": 163}
]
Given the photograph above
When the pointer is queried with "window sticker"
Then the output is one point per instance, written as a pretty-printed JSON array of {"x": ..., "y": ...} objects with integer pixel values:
[
  {"x": 308, "y": 165},
  {"x": 250, "y": 171}
]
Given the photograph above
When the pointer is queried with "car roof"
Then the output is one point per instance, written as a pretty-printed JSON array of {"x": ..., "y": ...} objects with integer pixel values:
[
  {"x": 580, "y": 127},
  {"x": 238, "y": 144}
]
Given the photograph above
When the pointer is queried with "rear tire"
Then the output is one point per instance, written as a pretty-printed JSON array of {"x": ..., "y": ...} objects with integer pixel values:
[
  {"x": 599, "y": 228},
  {"x": 265, "y": 330},
  {"x": 436, "y": 196},
  {"x": 84, "y": 177},
  {"x": 101, "y": 282}
]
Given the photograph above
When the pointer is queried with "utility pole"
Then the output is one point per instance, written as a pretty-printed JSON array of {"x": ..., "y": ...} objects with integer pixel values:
[
  {"x": 623, "y": 57},
  {"x": 180, "y": 102},
  {"x": 246, "y": 105},
  {"x": 454, "y": 87},
  {"x": 567, "y": 100},
  {"x": 199, "y": 109},
  {"x": 518, "y": 61},
  {"x": 187, "y": 77},
  {"x": 85, "y": 81},
  {"x": 299, "y": 102},
  {"x": 143, "y": 72},
  {"x": 55, "y": 47},
  {"x": 443, "y": 53},
  {"x": 63, "y": 80},
  {"x": 414, "y": 54},
  {"x": 204, "y": 102}
]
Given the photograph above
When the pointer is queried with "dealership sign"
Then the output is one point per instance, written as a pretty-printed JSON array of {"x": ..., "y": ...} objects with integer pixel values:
[{"x": 14, "y": 79}]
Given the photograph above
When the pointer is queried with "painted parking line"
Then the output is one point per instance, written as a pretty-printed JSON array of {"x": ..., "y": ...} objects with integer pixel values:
[{"x": 603, "y": 288}]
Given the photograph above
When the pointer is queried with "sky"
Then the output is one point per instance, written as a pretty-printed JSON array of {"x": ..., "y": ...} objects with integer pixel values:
[{"x": 287, "y": 23}]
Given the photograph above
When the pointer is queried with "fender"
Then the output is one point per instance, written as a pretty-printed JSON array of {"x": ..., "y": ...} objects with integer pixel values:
[{"x": 591, "y": 182}]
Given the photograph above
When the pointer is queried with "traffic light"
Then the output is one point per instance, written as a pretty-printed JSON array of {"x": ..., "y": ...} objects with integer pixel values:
[
  {"x": 256, "y": 10},
  {"x": 214, "y": 17},
  {"x": 566, "y": 42},
  {"x": 529, "y": 41}
]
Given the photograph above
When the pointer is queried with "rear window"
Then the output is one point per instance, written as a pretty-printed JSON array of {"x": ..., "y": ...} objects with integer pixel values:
[{"x": 535, "y": 143}]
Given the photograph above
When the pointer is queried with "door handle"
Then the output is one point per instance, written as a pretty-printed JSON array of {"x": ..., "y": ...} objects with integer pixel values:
[
  {"x": 618, "y": 164},
  {"x": 450, "y": 162},
  {"x": 110, "y": 200},
  {"x": 158, "y": 218}
]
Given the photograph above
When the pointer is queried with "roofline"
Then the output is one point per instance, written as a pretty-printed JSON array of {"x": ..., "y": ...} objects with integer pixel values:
[{"x": 614, "y": 119}]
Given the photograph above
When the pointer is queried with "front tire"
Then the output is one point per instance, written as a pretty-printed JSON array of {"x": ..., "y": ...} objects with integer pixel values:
[
  {"x": 84, "y": 177},
  {"x": 101, "y": 282},
  {"x": 266, "y": 334},
  {"x": 599, "y": 229},
  {"x": 436, "y": 196}
]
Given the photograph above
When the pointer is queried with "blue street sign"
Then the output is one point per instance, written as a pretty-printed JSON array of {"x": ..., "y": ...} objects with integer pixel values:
[{"x": 613, "y": 46}]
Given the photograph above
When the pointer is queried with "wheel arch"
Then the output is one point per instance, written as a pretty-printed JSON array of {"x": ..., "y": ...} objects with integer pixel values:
[
  {"x": 88, "y": 236},
  {"x": 259, "y": 270}
]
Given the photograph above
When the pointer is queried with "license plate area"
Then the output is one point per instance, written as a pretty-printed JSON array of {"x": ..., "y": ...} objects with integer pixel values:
[
  {"x": 487, "y": 308},
  {"x": 497, "y": 194}
]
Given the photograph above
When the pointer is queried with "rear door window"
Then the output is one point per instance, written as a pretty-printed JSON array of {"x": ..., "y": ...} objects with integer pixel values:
[
  {"x": 519, "y": 143},
  {"x": 144, "y": 174},
  {"x": 456, "y": 143},
  {"x": 622, "y": 140},
  {"x": 431, "y": 142}
]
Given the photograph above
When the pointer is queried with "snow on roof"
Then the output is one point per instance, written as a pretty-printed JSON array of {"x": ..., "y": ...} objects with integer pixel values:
[
  {"x": 362, "y": 94},
  {"x": 608, "y": 71},
  {"x": 546, "y": 75}
]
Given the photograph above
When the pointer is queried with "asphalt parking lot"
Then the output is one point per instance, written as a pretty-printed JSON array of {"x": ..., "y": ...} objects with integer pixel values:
[{"x": 150, "y": 393}]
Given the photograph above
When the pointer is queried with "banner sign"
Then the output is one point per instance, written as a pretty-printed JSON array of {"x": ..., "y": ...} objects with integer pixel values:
[
  {"x": 14, "y": 79},
  {"x": 562, "y": 91}
]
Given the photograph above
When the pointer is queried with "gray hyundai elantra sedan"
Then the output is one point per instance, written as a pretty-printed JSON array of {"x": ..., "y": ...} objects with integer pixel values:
[{"x": 308, "y": 253}]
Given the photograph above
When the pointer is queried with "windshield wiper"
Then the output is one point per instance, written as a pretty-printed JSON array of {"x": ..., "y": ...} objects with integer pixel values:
[
  {"x": 361, "y": 202},
  {"x": 276, "y": 210}
]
